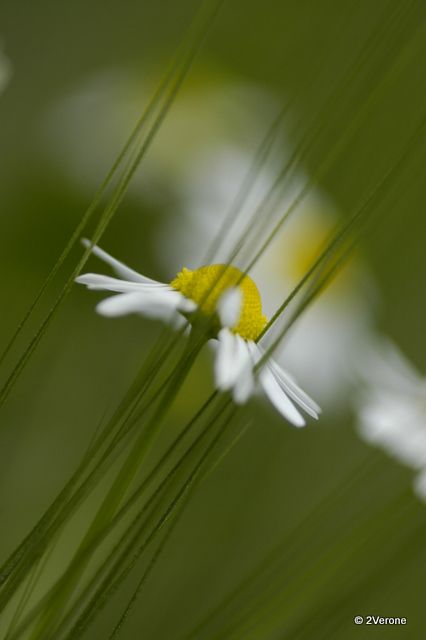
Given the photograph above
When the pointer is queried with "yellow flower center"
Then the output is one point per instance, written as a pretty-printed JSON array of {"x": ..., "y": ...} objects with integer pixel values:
[{"x": 207, "y": 284}]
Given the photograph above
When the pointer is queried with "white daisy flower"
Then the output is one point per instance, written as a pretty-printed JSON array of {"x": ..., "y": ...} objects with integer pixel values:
[
  {"x": 392, "y": 409},
  {"x": 339, "y": 322},
  {"x": 230, "y": 301}
]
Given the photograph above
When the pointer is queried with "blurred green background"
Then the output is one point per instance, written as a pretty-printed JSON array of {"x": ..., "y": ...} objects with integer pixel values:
[{"x": 346, "y": 549}]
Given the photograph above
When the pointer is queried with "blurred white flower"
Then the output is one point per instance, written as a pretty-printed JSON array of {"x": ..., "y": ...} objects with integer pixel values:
[
  {"x": 337, "y": 323},
  {"x": 230, "y": 302},
  {"x": 87, "y": 126},
  {"x": 392, "y": 409}
]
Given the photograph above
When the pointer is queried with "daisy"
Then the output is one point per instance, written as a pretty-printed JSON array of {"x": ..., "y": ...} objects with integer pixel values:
[
  {"x": 229, "y": 302},
  {"x": 392, "y": 409},
  {"x": 342, "y": 318}
]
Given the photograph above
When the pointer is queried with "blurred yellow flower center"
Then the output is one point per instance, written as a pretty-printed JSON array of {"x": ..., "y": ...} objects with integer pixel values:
[
  {"x": 206, "y": 285},
  {"x": 307, "y": 240}
]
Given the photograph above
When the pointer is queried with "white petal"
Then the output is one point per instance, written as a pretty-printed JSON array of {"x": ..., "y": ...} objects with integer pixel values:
[
  {"x": 179, "y": 323},
  {"x": 99, "y": 282},
  {"x": 294, "y": 391},
  {"x": 274, "y": 391},
  {"x": 233, "y": 366},
  {"x": 121, "y": 304},
  {"x": 254, "y": 350},
  {"x": 245, "y": 383},
  {"x": 224, "y": 367},
  {"x": 120, "y": 269},
  {"x": 156, "y": 305},
  {"x": 279, "y": 399},
  {"x": 185, "y": 304},
  {"x": 229, "y": 307}
]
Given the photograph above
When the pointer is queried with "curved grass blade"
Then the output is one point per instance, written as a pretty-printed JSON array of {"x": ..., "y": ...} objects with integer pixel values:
[
  {"x": 34, "y": 544},
  {"x": 200, "y": 29},
  {"x": 133, "y": 499},
  {"x": 176, "y": 518},
  {"x": 357, "y": 218},
  {"x": 325, "y": 507},
  {"x": 197, "y": 37},
  {"x": 296, "y": 593},
  {"x": 265, "y": 209},
  {"x": 115, "y": 577}
]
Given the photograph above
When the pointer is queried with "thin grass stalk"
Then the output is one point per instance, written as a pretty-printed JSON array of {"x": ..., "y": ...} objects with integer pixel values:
[
  {"x": 260, "y": 158},
  {"x": 116, "y": 493},
  {"x": 341, "y": 609},
  {"x": 175, "y": 519},
  {"x": 298, "y": 590},
  {"x": 285, "y": 548},
  {"x": 329, "y": 272},
  {"x": 211, "y": 8},
  {"x": 82, "y": 491},
  {"x": 247, "y": 184},
  {"x": 136, "y": 522},
  {"x": 336, "y": 239},
  {"x": 32, "y": 582},
  {"x": 147, "y": 572},
  {"x": 87, "y": 216},
  {"x": 36, "y": 541},
  {"x": 141, "y": 489},
  {"x": 33, "y": 579},
  {"x": 114, "y": 578},
  {"x": 398, "y": 66},
  {"x": 306, "y": 144},
  {"x": 307, "y": 586}
]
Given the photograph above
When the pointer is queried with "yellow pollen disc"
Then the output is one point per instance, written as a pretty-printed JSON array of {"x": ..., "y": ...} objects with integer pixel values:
[{"x": 206, "y": 285}]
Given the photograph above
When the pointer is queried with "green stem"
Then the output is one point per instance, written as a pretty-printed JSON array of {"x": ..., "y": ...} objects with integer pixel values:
[{"x": 66, "y": 585}]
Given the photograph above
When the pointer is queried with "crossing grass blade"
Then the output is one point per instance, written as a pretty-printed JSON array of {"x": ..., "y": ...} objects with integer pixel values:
[
  {"x": 167, "y": 91},
  {"x": 138, "y": 524},
  {"x": 175, "y": 77},
  {"x": 396, "y": 67},
  {"x": 175, "y": 518},
  {"x": 82, "y": 481},
  {"x": 354, "y": 224}
]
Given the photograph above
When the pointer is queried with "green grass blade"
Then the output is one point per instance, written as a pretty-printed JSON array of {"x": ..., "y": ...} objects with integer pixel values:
[{"x": 199, "y": 30}]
